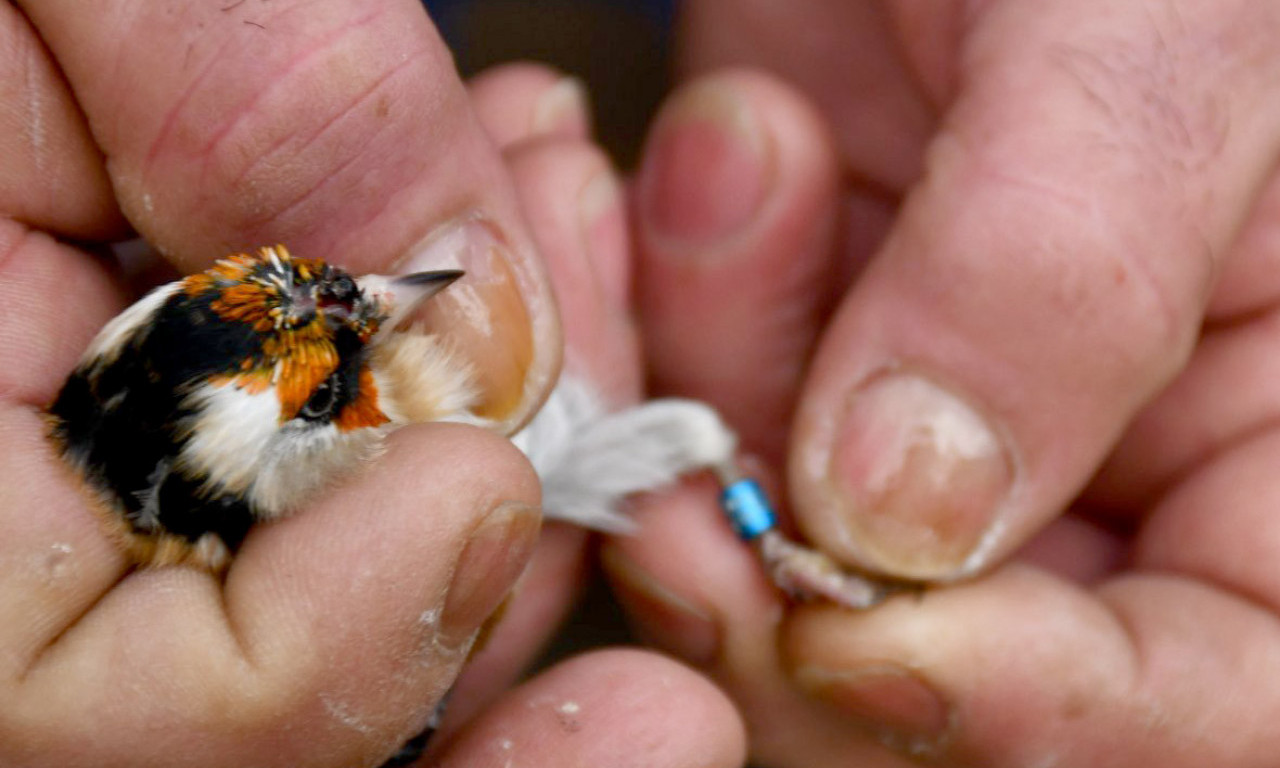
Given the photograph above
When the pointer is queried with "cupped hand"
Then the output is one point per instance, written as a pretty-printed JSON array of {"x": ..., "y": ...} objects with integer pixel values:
[
  {"x": 340, "y": 129},
  {"x": 993, "y": 288}
]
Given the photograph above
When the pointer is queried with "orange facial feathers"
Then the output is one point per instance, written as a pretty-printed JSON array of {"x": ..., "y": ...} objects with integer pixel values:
[{"x": 277, "y": 296}]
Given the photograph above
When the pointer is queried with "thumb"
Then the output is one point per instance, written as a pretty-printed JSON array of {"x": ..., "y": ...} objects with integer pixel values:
[
  {"x": 1045, "y": 278},
  {"x": 340, "y": 129}
]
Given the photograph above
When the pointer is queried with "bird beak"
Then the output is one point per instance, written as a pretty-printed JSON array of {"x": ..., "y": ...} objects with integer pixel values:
[
  {"x": 412, "y": 290},
  {"x": 405, "y": 293}
]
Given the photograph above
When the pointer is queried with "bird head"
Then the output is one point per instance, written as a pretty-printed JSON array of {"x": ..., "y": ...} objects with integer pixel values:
[{"x": 301, "y": 328}]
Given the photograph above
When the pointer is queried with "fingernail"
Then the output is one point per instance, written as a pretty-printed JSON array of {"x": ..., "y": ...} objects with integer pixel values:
[
  {"x": 599, "y": 201},
  {"x": 901, "y": 708},
  {"x": 707, "y": 168},
  {"x": 662, "y": 617},
  {"x": 562, "y": 109},
  {"x": 484, "y": 315},
  {"x": 494, "y": 556},
  {"x": 917, "y": 479}
]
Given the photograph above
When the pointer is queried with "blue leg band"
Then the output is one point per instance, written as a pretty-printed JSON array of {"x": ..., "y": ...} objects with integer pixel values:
[{"x": 747, "y": 507}]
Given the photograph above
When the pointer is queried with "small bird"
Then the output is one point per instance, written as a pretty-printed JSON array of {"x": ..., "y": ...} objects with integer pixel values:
[{"x": 230, "y": 396}]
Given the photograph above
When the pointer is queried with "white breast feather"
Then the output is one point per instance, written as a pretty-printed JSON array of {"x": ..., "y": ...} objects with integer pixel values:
[
  {"x": 237, "y": 442},
  {"x": 304, "y": 457},
  {"x": 230, "y": 434}
]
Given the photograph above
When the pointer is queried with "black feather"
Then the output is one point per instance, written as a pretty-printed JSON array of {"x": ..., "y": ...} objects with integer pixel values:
[{"x": 120, "y": 420}]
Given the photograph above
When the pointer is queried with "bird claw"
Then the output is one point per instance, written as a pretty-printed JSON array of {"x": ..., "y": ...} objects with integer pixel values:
[
  {"x": 801, "y": 572},
  {"x": 807, "y": 575}
]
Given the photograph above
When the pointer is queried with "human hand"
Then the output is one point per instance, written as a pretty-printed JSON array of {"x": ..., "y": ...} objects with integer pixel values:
[
  {"x": 343, "y": 132},
  {"x": 663, "y": 713},
  {"x": 1052, "y": 371}
]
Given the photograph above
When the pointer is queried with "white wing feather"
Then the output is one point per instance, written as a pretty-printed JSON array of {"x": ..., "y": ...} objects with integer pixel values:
[{"x": 590, "y": 460}]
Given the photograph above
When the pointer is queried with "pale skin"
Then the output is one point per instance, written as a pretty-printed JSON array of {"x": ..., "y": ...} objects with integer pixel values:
[
  {"x": 344, "y": 132},
  {"x": 1068, "y": 216}
]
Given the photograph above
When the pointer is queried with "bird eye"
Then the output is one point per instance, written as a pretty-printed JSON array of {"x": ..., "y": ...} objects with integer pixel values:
[
  {"x": 342, "y": 288},
  {"x": 319, "y": 406}
]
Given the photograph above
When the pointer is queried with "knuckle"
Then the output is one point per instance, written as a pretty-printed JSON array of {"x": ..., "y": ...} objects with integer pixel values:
[
  {"x": 1073, "y": 265},
  {"x": 278, "y": 160},
  {"x": 1153, "y": 98},
  {"x": 272, "y": 145}
]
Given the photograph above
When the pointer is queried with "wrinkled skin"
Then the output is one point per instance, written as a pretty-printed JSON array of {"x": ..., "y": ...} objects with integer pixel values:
[
  {"x": 345, "y": 133},
  {"x": 991, "y": 289}
]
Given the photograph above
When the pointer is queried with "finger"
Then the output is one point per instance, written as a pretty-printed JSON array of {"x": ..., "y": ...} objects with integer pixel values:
[
  {"x": 736, "y": 211},
  {"x": 1128, "y": 674},
  {"x": 1077, "y": 548},
  {"x": 574, "y": 205},
  {"x": 986, "y": 361},
  {"x": 518, "y": 101},
  {"x": 51, "y": 173},
  {"x": 570, "y": 198},
  {"x": 54, "y": 299},
  {"x": 1250, "y": 282},
  {"x": 56, "y": 560},
  {"x": 571, "y": 201},
  {"x": 537, "y": 606},
  {"x": 335, "y": 634},
  {"x": 1021, "y": 668},
  {"x": 881, "y": 111},
  {"x": 1191, "y": 420},
  {"x": 1194, "y": 419},
  {"x": 340, "y": 130},
  {"x": 610, "y": 708},
  {"x": 1069, "y": 680},
  {"x": 690, "y": 587}
]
